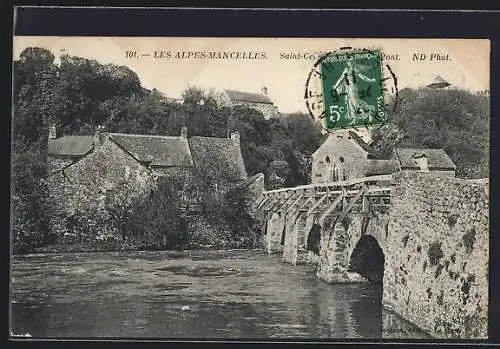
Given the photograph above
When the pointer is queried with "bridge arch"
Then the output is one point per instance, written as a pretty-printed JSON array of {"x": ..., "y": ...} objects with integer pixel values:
[
  {"x": 368, "y": 259},
  {"x": 274, "y": 232},
  {"x": 314, "y": 238}
]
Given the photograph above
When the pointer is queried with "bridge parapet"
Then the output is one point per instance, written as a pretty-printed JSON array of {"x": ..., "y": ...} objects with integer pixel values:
[{"x": 286, "y": 209}]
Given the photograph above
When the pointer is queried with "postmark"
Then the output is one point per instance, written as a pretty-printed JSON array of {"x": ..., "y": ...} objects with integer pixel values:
[{"x": 351, "y": 88}]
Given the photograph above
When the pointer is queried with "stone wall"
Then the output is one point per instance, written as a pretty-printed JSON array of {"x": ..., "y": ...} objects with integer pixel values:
[
  {"x": 83, "y": 187},
  {"x": 436, "y": 269},
  {"x": 434, "y": 238}
]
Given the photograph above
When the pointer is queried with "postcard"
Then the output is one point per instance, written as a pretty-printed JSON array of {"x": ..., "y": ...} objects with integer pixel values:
[{"x": 263, "y": 188}]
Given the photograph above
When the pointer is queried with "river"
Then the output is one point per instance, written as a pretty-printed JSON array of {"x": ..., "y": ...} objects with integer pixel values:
[{"x": 244, "y": 294}]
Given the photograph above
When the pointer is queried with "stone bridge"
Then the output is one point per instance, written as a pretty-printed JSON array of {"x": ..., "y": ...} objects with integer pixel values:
[
  {"x": 301, "y": 220},
  {"x": 423, "y": 237}
]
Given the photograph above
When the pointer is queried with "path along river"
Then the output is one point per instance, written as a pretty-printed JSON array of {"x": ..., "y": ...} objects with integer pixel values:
[{"x": 190, "y": 294}]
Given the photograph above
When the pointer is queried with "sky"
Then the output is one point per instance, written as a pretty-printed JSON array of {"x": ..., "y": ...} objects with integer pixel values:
[{"x": 467, "y": 67}]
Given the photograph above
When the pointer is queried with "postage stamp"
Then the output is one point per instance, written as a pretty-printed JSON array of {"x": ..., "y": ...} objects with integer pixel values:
[{"x": 348, "y": 88}]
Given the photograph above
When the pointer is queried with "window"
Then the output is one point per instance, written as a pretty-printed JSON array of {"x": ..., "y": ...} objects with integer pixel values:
[
  {"x": 321, "y": 165},
  {"x": 327, "y": 159},
  {"x": 181, "y": 195}
]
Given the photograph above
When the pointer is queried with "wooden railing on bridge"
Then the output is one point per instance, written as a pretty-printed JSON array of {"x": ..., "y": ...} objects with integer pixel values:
[{"x": 332, "y": 199}]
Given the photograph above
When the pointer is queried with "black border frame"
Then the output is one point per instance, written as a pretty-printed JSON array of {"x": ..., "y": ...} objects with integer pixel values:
[{"x": 267, "y": 22}]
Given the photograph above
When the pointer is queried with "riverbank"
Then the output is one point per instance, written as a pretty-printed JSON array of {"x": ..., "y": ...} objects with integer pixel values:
[
  {"x": 77, "y": 248},
  {"x": 195, "y": 239}
]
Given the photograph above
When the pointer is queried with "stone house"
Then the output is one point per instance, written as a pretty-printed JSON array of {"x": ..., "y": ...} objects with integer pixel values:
[
  {"x": 344, "y": 156},
  {"x": 86, "y": 172},
  {"x": 424, "y": 160},
  {"x": 258, "y": 101},
  {"x": 432, "y": 161}
]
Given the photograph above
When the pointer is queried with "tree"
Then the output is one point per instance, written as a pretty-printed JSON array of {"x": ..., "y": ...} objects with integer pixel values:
[
  {"x": 34, "y": 78},
  {"x": 455, "y": 120},
  {"x": 29, "y": 222}
]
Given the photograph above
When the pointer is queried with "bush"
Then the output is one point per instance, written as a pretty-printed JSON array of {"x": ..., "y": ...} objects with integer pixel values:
[
  {"x": 157, "y": 222},
  {"x": 236, "y": 214}
]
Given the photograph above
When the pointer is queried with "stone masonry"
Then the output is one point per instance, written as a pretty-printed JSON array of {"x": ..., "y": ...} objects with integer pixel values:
[
  {"x": 433, "y": 238},
  {"x": 436, "y": 270}
]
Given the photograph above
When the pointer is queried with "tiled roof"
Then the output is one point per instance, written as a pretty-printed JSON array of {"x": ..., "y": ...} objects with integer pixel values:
[
  {"x": 156, "y": 150},
  {"x": 437, "y": 158},
  {"x": 343, "y": 141},
  {"x": 238, "y": 96},
  {"x": 380, "y": 167},
  {"x": 71, "y": 146},
  {"x": 220, "y": 157}
]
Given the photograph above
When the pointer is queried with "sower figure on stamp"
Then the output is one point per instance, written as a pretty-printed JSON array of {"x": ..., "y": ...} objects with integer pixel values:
[{"x": 346, "y": 86}]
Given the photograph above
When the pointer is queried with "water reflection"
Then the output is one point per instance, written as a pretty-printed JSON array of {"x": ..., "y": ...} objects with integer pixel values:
[{"x": 231, "y": 294}]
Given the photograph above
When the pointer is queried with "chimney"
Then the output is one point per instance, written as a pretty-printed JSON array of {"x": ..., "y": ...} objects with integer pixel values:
[
  {"x": 184, "y": 132},
  {"x": 99, "y": 135},
  {"x": 236, "y": 136},
  {"x": 264, "y": 90},
  {"x": 52, "y": 132}
]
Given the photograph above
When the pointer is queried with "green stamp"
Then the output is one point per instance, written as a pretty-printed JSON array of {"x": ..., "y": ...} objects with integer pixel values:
[{"x": 350, "y": 87}]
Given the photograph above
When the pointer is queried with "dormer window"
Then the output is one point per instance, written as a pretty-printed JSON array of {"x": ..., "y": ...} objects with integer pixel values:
[{"x": 422, "y": 161}]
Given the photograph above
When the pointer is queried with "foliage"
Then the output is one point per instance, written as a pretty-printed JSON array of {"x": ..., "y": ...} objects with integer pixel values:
[
  {"x": 29, "y": 222},
  {"x": 237, "y": 215},
  {"x": 455, "y": 120},
  {"x": 435, "y": 253},
  {"x": 157, "y": 222},
  {"x": 452, "y": 220},
  {"x": 469, "y": 239},
  {"x": 33, "y": 76}
]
